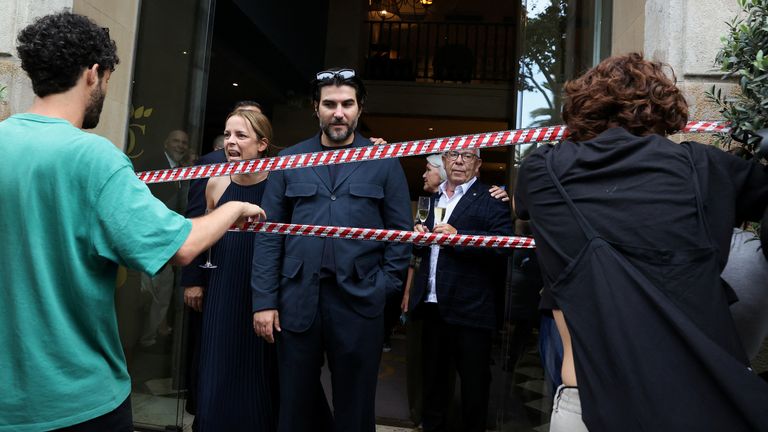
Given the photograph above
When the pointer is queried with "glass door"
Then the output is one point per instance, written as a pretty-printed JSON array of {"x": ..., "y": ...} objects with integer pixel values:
[{"x": 164, "y": 131}]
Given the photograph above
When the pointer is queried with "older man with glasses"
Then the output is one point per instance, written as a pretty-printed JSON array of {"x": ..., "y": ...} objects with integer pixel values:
[
  {"x": 454, "y": 295},
  {"x": 325, "y": 297}
]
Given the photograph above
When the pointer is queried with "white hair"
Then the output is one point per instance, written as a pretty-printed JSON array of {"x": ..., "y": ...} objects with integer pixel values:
[
  {"x": 436, "y": 161},
  {"x": 218, "y": 142}
]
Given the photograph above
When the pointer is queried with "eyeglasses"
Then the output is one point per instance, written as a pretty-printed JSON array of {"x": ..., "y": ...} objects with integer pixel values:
[
  {"x": 467, "y": 156},
  {"x": 330, "y": 74}
]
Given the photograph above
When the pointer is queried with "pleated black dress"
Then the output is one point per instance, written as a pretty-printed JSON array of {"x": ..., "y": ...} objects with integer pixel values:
[{"x": 238, "y": 370}]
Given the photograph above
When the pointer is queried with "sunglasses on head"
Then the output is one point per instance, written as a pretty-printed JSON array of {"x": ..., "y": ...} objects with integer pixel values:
[{"x": 329, "y": 74}]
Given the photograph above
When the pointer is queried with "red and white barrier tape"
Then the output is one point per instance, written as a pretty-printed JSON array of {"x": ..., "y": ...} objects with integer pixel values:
[
  {"x": 417, "y": 238},
  {"x": 385, "y": 151}
]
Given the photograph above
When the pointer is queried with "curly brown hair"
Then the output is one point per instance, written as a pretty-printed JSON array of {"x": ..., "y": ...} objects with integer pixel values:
[{"x": 626, "y": 91}]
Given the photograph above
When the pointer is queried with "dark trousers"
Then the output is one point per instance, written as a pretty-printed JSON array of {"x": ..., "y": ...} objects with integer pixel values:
[
  {"x": 192, "y": 358},
  {"x": 118, "y": 420},
  {"x": 352, "y": 345},
  {"x": 470, "y": 350}
]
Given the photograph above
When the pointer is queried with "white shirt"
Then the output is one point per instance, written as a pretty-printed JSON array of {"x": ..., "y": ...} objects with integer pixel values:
[
  {"x": 172, "y": 163},
  {"x": 449, "y": 204}
]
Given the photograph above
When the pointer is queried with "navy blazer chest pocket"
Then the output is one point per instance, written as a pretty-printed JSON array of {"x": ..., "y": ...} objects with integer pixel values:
[
  {"x": 363, "y": 209},
  {"x": 366, "y": 190},
  {"x": 299, "y": 191}
]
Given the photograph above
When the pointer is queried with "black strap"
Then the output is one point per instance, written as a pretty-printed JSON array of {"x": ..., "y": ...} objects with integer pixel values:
[
  {"x": 697, "y": 190},
  {"x": 586, "y": 227}
]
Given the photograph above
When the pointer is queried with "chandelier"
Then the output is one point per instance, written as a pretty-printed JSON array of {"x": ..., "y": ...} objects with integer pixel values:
[{"x": 398, "y": 9}]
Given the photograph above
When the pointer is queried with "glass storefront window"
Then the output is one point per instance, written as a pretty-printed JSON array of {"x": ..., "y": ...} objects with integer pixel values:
[
  {"x": 164, "y": 131},
  {"x": 196, "y": 58}
]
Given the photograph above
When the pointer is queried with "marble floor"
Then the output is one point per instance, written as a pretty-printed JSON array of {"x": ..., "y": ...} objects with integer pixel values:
[{"x": 520, "y": 399}]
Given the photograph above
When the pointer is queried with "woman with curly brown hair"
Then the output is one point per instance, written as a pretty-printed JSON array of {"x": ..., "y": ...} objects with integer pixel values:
[{"x": 632, "y": 231}]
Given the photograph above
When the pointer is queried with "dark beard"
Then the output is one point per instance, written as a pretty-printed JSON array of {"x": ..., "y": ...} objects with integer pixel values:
[
  {"x": 93, "y": 109},
  {"x": 327, "y": 131}
]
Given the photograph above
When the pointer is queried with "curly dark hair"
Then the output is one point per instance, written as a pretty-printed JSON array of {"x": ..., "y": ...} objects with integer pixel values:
[
  {"x": 57, "y": 48},
  {"x": 626, "y": 91}
]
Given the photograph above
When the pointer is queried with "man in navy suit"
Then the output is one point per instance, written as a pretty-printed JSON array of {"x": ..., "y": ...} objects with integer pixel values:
[
  {"x": 318, "y": 296},
  {"x": 454, "y": 294}
]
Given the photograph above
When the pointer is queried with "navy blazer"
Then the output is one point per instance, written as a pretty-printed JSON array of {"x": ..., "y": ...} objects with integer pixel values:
[
  {"x": 467, "y": 278},
  {"x": 372, "y": 194}
]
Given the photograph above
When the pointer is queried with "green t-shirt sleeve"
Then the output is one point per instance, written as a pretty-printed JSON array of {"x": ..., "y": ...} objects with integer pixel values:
[{"x": 132, "y": 227}]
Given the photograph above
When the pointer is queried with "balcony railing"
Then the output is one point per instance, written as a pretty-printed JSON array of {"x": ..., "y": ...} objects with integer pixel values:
[{"x": 440, "y": 51}]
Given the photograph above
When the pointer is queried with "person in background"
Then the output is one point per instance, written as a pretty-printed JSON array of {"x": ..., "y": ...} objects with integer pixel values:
[
  {"x": 522, "y": 299},
  {"x": 325, "y": 297},
  {"x": 434, "y": 174},
  {"x": 160, "y": 286},
  {"x": 66, "y": 230},
  {"x": 746, "y": 273},
  {"x": 455, "y": 295},
  {"x": 176, "y": 147},
  {"x": 218, "y": 143},
  {"x": 632, "y": 232}
]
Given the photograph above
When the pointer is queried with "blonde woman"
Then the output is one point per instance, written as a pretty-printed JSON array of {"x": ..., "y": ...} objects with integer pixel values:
[{"x": 237, "y": 378}]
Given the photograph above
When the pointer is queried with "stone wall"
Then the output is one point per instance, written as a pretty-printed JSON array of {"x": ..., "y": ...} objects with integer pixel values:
[
  {"x": 628, "y": 30},
  {"x": 16, "y": 15},
  {"x": 684, "y": 34},
  {"x": 119, "y": 15}
]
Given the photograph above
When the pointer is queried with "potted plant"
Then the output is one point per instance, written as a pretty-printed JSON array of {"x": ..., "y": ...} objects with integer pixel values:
[{"x": 744, "y": 57}]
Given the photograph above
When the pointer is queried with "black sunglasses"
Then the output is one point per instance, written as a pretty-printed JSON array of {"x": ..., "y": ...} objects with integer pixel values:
[{"x": 329, "y": 74}]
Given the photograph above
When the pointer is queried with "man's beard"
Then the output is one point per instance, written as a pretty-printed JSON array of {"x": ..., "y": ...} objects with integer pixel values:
[
  {"x": 93, "y": 109},
  {"x": 338, "y": 137}
]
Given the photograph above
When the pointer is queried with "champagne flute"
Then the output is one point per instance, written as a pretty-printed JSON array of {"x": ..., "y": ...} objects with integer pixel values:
[
  {"x": 422, "y": 210},
  {"x": 208, "y": 264},
  {"x": 439, "y": 213}
]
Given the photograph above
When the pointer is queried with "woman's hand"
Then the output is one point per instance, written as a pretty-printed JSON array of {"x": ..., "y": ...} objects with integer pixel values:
[{"x": 193, "y": 297}]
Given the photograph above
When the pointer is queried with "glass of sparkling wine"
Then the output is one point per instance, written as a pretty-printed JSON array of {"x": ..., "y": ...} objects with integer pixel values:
[
  {"x": 208, "y": 264},
  {"x": 439, "y": 213},
  {"x": 422, "y": 211}
]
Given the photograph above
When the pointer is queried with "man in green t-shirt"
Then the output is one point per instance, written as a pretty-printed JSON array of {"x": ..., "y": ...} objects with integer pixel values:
[{"x": 72, "y": 211}]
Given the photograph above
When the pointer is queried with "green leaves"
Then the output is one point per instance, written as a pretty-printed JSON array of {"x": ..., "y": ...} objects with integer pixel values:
[{"x": 743, "y": 56}]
